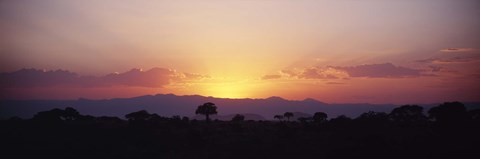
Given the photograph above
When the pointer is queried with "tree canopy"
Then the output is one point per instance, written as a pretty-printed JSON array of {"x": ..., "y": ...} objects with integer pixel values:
[{"x": 207, "y": 109}]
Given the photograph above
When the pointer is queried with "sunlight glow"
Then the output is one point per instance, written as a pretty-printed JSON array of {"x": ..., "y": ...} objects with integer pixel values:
[{"x": 229, "y": 90}]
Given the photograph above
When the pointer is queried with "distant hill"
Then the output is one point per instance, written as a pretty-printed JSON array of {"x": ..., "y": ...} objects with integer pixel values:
[{"x": 169, "y": 105}]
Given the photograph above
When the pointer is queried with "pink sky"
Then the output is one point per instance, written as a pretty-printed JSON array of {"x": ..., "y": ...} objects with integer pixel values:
[{"x": 334, "y": 51}]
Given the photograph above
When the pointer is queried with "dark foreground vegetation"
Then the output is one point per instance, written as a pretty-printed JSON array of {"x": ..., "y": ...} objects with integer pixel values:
[{"x": 447, "y": 131}]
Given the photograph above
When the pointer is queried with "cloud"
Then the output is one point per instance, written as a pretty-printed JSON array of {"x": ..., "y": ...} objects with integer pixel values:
[
  {"x": 459, "y": 50},
  {"x": 310, "y": 73},
  {"x": 475, "y": 75},
  {"x": 450, "y": 60},
  {"x": 154, "y": 78},
  {"x": 322, "y": 73},
  {"x": 35, "y": 78},
  {"x": 455, "y": 60},
  {"x": 289, "y": 73},
  {"x": 270, "y": 77},
  {"x": 385, "y": 70},
  {"x": 335, "y": 83},
  {"x": 193, "y": 76},
  {"x": 435, "y": 68}
]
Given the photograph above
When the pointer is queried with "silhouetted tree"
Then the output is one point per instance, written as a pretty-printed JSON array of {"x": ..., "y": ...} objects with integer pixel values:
[
  {"x": 58, "y": 115},
  {"x": 185, "y": 119},
  {"x": 339, "y": 120},
  {"x": 238, "y": 118},
  {"x": 176, "y": 120},
  {"x": 156, "y": 118},
  {"x": 141, "y": 115},
  {"x": 207, "y": 109},
  {"x": 86, "y": 118},
  {"x": 320, "y": 117},
  {"x": 305, "y": 120},
  {"x": 448, "y": 113},
  {"x": 373, "y": 119},
  {"x": 70, "y": 114},
  {"x": 407, "y": 114},
  {"x": 288, "y": 115},
  {"x": 279, "y": 117},
  {"x": 109, "y": 120},
  {"x": 176, "y": 117},
  {"x": 474, "y": 115},
  {"x": 368, "y": 136},
  {"x": 373, "y": 116},
  {"x": 15, "y": 118}
]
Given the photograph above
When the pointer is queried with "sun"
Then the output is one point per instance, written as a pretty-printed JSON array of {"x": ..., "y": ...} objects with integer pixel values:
[{"x": 229, "y": 90}]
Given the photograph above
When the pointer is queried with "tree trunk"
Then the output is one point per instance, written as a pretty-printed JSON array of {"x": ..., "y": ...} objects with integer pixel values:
[{"x": 208, "y": 118}]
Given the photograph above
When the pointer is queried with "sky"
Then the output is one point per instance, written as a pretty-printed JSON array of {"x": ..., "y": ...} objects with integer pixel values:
[{"x": 345, "y": 51}]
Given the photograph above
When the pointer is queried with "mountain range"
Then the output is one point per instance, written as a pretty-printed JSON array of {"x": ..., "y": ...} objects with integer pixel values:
[{"x": 169, "y": 105}]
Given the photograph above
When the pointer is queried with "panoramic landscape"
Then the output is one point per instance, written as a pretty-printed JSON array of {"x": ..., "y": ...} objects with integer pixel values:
[{"x": 239, "y": 79}]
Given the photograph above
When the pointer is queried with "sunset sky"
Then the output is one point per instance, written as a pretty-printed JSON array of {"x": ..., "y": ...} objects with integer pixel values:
[{"x": 345, "y": 51}]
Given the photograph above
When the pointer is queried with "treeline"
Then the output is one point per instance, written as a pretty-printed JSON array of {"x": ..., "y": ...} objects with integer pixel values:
[
  {"x": 448, "y": 130},
  {"x": 448, "y": 113}
]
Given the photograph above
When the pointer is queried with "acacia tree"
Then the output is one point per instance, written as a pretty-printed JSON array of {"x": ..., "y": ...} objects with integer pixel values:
[
  {"x": 279, "y": 117},
  {"x": 141, "y": 115},
  {"x": 373, "y": 116},
  {"x": 207, "y": 109},
  {"x": 70, "y": 114},
  {"x": 320, "y": 117},
  {"x": 238, "y": 118},
  {"x": 474, "y": 114},
  {"x": 407, "y": 114},
  {"x": 448, "y": 113},
  {"x": 288, "y": 115},
  {"x": 56, "y": 114}
]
